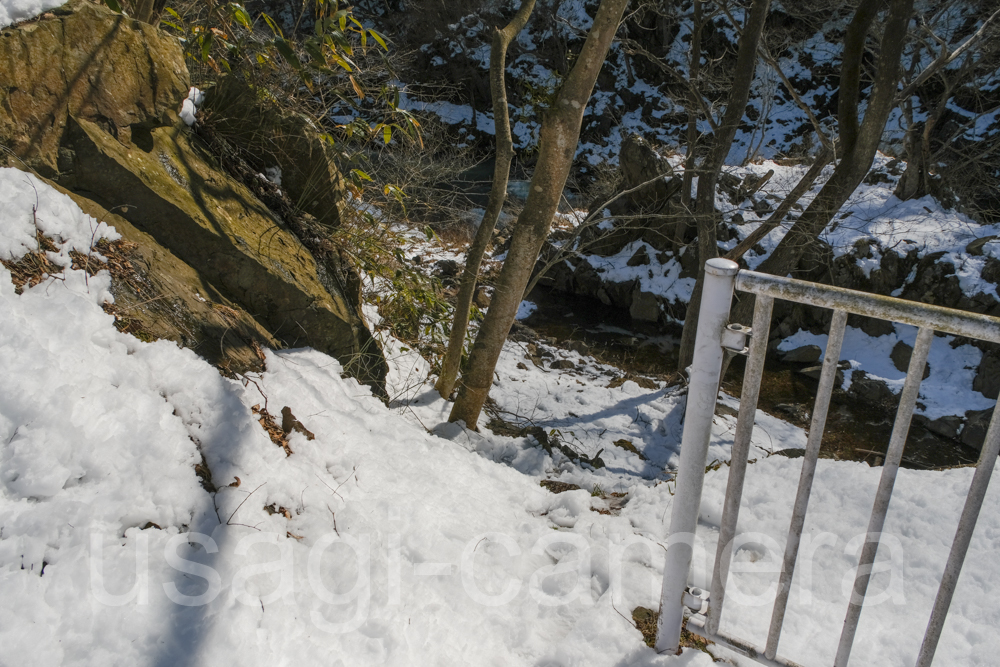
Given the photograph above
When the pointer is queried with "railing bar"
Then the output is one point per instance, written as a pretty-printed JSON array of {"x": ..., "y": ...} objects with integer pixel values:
[
  {"x": 821, "y": 408},
  {"x": 963, "y": 536},
  {"x": 907, "y": 400},
  {"x": 740, "y": 646},
  {"x": 738, "y": 459},
  {"x": 881, "y": 307}
]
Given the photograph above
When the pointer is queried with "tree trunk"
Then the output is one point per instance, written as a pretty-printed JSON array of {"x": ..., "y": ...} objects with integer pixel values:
[
  {"x": 559, "y": 137},
  {"x": 917, "y": 181},
  {"x": 708, "y": 176},
  {"x": 857, "y": 159},
  {"x": 148, "y": 11},
  {"x": 498, "y": 193},
  {"x": 850, "y": 73},
  {"x": 819, "y": 164},
  {"x": 694, "y": 68}
]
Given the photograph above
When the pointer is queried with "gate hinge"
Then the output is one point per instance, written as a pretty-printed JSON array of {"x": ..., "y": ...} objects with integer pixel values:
[{"x": 734, "y": 338}]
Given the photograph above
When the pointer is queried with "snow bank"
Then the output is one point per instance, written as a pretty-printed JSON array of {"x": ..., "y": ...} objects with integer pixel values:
[
  {"x": 189, "y": 108},
  {"x": 946, "y": 391},
  {"x": 30, "y": 206},
  {"x": 374, "y": 543}
]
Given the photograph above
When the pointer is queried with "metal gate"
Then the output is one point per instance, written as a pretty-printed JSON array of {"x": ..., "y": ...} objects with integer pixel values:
[{"x": 714, "y": 337}]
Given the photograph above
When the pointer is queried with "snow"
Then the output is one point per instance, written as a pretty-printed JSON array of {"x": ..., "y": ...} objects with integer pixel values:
[
  {"x": 31, "y": 206},
  {"x": 396, "y": 543},
  {"x": 525, "y": 310},
  {"x": 273, "y": 174},
  {"x": 661, "y": 278},
  {"x": 12, "y": 11},
  {"x": 397, "y": 538},
  {"x": 190, "y": 106},
  {"x": 946, "y": 391}
]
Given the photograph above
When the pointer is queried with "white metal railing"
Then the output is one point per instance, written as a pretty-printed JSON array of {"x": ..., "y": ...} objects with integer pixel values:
[{"x": 714, "y": 336}]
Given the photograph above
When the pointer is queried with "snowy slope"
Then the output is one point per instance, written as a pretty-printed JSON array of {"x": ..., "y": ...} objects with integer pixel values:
[
  {"x": 101, "y": 434},
  {"x": 389, "y": 544}
]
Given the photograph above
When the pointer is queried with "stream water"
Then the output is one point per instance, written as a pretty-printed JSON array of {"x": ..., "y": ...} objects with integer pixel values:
[{"x": 853, "y": 431}]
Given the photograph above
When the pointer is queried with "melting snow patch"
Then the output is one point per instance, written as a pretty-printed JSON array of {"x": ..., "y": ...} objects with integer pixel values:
[
  {"x": 12, "y": 11},
  {"x": 190, "y": 106},
  {"x": 525, "y": 309}
]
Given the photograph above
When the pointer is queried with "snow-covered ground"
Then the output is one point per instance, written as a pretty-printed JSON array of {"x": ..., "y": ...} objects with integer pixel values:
[
  {"x": 873, "y": 215},
  {"x": 393, "y": 537}
]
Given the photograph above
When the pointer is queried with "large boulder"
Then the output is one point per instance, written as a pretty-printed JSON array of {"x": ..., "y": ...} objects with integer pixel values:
[
  {"x": 158, "y": 296},
  {"x": 977, "y": 423},
  {"x": 640, "y": 164},
  {"x": 987, "y": 380},
  {"x": 645, "y": 306},
  {"x": 174, "y": 191},
  {"x": 872, "y": 391},
  {"x": 90, "y": 99},
  {"x": 85, "y": 61},
  {"x": 646, "y": 212}
]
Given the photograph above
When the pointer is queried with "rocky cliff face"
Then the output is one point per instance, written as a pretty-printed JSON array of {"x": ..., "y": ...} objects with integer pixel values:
[{"x": 90, "y": 100}]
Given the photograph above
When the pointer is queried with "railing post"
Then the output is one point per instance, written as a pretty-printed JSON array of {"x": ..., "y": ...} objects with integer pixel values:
[{"x": 703, "y": 390}]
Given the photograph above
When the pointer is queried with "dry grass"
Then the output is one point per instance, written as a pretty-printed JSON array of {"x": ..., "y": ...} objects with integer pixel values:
[
  {"x": 271, "y": 428},
  {"x": 645, "y": 622},
  {"x": 629, "y": 447},
  {"x": 35, "y": 266},
  {"x": 119, "y": 256}
]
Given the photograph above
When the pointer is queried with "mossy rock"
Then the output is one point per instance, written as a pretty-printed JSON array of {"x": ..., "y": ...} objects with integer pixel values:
[
  {"x": 169, "y": 187},
  {"x": 158, "y": 296},
  {"x": 84, "y": 60}
]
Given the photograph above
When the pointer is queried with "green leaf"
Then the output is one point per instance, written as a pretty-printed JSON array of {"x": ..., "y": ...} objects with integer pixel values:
[
  {"x": 286, "y": 51},
  {"x": 415, "y": 127},
  {"x": 337, "y": 41},
  {"x": 206, "y": 45},
  {"x": 361, "y": 31},
  {"x": 315, "y": 51},
  {"x": 378, "y": 38},
  {"x": 340, "y": 61},
  {"x": 240, "y": 16},
  {"x": 114, "y": 5},
  {"x": 361, "y": 175},
  {"x": 387, "y": 133},
  {"x": 273, "y": 26}
]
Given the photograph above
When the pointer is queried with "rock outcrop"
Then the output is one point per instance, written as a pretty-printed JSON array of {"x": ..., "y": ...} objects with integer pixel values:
[
  {"x": 84, "y": 62},
  {"x": 158, "y": 296},
  {"x": 91, "y": 100}
]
